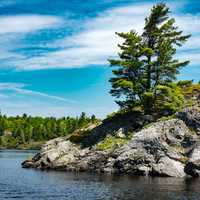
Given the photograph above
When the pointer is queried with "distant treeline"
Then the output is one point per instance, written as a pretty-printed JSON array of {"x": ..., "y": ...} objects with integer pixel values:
[{"x": 29, "y": 132}]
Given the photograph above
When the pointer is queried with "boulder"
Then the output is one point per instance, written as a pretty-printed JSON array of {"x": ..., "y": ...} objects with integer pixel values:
[
  {"x": 193, "y": 166},
  {"x": 168, "y": 167},
  {"x": 55, "y": 154},
  {"x": 191, "y": 117},
  {"x": 153, "y": 151}
]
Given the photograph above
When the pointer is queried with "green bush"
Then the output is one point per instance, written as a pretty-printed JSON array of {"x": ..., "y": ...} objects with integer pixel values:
[
  {"x": 191, "y": 90},
  {"x": 111, "y": 142},
  {"x": 169, "y": 99},
  {"x": 79, "y": 136},
  {"x": 184, "y": 83},
  {"x": 8, "y": 142},
  {"x": 165, "y": 100}
]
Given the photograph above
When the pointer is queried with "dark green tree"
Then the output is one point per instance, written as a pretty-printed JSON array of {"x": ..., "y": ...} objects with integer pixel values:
[
  {"x": 21, "y": 136},
  {"x": 26, "y": 130},
  {"x": 147, "y": 61}
]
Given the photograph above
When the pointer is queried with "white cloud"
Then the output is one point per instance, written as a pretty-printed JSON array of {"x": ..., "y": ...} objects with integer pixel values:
[
  {"x": 93, "y": 46},
  {"x": 20, "y": 89},
  {"x": 193, "y": 57},
  {"x": 193, "y": 42},
  {"x": 97, "y": 42},
  {"x": 17, "y": 101},
  {"x": 41, "y": 94},
  {"x": 27, "y": 23},
  {"x": 10, "y": 86},
  {"x": 13, "y": 29},
  {"x": 189, "y": 23}
]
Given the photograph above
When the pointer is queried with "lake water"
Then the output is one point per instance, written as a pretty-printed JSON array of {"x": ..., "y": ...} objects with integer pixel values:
[{"x": 18, "y": 183}]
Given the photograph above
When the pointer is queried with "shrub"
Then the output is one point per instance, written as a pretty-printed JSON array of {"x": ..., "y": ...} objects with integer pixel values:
[
  {"x": 167, "y": 99},
  {"x": 184, "y": 83},
  {"x": 79, "y": 136},
  {"x": 111, "y": 142}
]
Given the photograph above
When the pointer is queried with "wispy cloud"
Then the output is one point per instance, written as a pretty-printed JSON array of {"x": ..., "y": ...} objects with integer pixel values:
[
  {"x": 94, "y": 44},
  {"x": 27, "y": 23},
  {"x": 17, "y": 104},
  {"x": 192, "y": 56},
  {"x": 97, "y": 41},
  {"x": 189, "y": 23},
  {"x": 13, "y": 30},
  {"x": 20, "y": 89}
]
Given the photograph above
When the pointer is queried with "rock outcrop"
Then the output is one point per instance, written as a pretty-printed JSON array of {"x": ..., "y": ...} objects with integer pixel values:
[
  {"x": 165, "y": 148},
  {"x": 157, "y": 150},
  {"x": 193, "y": 166},
  {"x": 191, "y": 117}
]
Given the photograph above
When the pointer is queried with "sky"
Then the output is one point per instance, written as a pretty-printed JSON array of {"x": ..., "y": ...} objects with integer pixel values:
[{"x": 53, "y": 54}]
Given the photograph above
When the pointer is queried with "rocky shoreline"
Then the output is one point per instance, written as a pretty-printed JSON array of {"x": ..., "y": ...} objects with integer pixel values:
[{"x": 169, "y": 147}]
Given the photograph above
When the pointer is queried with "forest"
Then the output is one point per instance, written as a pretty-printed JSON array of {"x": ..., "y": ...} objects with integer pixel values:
[{"x": 27, "y": 132}]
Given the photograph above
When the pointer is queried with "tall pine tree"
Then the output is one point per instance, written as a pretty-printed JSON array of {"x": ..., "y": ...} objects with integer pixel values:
[{"x": 147, "y": 61}]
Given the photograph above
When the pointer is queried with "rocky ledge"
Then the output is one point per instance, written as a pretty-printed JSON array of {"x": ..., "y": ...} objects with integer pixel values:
[{"x": 165, "y": 148}]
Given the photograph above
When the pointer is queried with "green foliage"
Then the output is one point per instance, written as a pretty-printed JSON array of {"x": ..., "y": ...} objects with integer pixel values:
[
  {"x": 79, "y": 135},
  {"x": 31, "y": 132},
  {"x": 169, "y": 99},
  {"x": 111, "y": 142},
  {"x": 184, "y": 83},
  {"x": 191, "y": 90},
  {"x": 165, "y": 118},
  {"x": 8, "y": 142},
  {"x": 117, "y": 113},
  {"x": 147, "y": 65},
  {"x": 191, "y": 94}
]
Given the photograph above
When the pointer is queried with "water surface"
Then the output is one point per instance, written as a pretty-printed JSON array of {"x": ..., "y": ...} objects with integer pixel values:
[{"x": 25, "y": 184}]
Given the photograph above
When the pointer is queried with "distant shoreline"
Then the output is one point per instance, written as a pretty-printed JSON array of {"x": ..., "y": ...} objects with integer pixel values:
[
  {"x": 24, "y": 147},
  {"x": 34, "y": 149}
]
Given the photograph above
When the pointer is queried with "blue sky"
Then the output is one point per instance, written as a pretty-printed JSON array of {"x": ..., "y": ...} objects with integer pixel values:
[{"x": 54, "y": 54}]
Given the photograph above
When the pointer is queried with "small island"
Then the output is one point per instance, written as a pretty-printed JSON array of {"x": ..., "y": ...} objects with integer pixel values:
[
  {"x": 157, "y": 128},
  {"x": 99, "y": 100}
]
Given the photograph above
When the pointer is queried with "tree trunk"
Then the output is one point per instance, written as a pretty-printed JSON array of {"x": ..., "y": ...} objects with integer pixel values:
[{"x": 149, "y": 74}]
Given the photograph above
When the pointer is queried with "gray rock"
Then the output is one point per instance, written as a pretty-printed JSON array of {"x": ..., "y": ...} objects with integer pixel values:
[
  {"x": 193, "y": 166},
  {"x": 191, "y": 117},
  {"x": 150, "y": 152},
  {"x": 168, "y": 167},
  {"x": 120, "y": 133},
  {"x": 56, "y": 154},
  {"x": 166, "y": 148}
]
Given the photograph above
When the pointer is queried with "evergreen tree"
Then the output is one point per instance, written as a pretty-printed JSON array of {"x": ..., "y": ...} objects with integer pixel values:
[
  {"x": 27, "y": 130},
  {"x": 29, "y": 133},
  {"x": 147, "y": 61}
]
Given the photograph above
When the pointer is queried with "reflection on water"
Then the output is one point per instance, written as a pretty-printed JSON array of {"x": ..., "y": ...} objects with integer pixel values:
[{"x": 18, "y": 183}]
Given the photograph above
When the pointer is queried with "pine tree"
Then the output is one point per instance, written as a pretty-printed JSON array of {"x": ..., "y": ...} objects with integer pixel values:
[{"x": 147, "y": 61}]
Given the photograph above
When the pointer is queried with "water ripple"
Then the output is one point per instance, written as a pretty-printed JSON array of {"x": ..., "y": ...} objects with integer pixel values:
[{"x": 23, "y": 184}]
